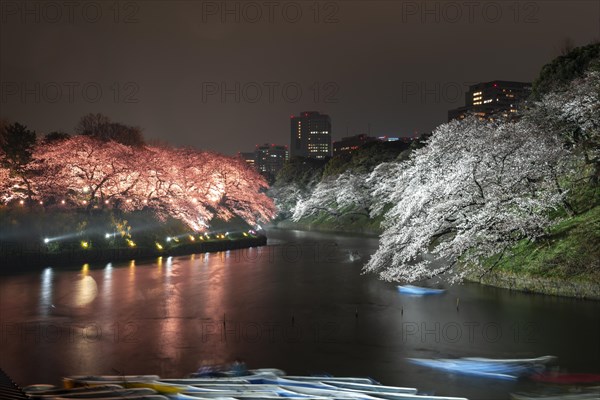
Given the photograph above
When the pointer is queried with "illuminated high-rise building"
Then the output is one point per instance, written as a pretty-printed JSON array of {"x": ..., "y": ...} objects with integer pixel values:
[
  {"x": 492, "y": 100},
  {"x": 310, "y": 135}
]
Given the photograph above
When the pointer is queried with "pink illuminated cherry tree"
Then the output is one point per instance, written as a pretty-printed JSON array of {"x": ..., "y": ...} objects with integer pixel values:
[{"x": 189, "y": 185}]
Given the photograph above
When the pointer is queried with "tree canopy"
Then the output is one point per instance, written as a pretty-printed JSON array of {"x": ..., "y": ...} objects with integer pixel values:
[{"x": 564, "y": 69}]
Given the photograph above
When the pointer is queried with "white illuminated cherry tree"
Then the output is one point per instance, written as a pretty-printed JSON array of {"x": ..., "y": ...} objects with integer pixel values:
[
  {"x": 573, "y": 112},
  {"x": 348, "y": 193},
  {"x": 474, "y": 191}
]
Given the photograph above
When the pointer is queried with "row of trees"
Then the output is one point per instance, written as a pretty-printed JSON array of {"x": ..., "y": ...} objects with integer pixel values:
[
  {"x": 100, "y": 169},
  {"x": 474, "y": 191},
  {"x": 299, "y": 178}
]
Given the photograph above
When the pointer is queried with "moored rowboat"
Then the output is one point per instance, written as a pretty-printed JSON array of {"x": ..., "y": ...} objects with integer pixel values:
[
  {"x": 330, "y": 378},
  {"x": 142, "y": 397},
  {"x": 95, "y": 394},
  {"x": 352, "y": 394},
  {"x": 39, "y": 393},
  {"x": 419, "y": 291},
  {"x": 84, "y": 380},
  {"x": 371, "y": 387},
  {"x": 488, "y": 368}
]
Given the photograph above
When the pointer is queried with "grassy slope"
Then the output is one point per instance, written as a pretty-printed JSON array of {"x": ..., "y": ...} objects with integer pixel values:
[{"x": 570, "y": 251}]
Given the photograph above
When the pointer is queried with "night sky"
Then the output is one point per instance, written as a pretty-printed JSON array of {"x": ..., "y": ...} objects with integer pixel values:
[{"x": 171, "y": 67}]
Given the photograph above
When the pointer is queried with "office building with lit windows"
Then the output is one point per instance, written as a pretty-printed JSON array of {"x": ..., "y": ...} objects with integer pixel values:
[
  {"x": 310, "y": 135},
  {"x": 269, "y": 159},
  {"x": 349, "y": 144},
  {"x": 493, "y": 100}
]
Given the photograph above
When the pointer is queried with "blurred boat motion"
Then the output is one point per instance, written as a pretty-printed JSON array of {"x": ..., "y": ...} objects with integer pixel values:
[{"x": 232, "y": 384}]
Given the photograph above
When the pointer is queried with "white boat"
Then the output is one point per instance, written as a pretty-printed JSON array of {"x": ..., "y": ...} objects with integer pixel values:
[
  {"x": 228, "y": 393},
  {"x": 267, "y": 371},
  {"x": 241, "y": 387},
  {"x": 38, "y": 392},
  {"x": 265, "y": 384},
  {"x": 86, "y": 380},
  {"x": 142, "y": 397},
  {"x": 95, "y": 394},
  {"x": 289, "y": 382},
  {"x": 403, "y": 396},
  {"x": 40, "y": 387},
  {"x": 371, "y": 387},
  {"x": 331, "y": 393},
  {"x": 215, "y": 390},
  {"x": 537, "y": 360},
  {"x": 202, "y": 381},
  {"x": 352, "y": 394},
  {"x": 184, "y": 396},
  {"x": 330, "y": 378}
]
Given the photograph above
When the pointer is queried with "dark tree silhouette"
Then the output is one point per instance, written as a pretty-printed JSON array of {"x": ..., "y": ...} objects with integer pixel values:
[
  {"x": 92, "y": 124},
  {"x": 564, "y": 69},
  {"x": 55, "y": 137},
  {"x": 100, "y": 127},
  {"x": 17, "y": 144}
]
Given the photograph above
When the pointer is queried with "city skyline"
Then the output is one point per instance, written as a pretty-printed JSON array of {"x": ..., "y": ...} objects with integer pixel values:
[{"x": 225, "y": 81}]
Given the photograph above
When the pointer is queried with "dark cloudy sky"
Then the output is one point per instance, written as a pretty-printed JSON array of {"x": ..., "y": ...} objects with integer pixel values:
[{"x": 191, "y": 75}]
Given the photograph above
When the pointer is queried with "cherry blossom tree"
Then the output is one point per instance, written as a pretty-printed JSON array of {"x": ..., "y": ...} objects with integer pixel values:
[
  {"x": 574, "y": 113},
  {"x": 186, "y": 184},
  {"x": 474, "y": 191},
  {"x": 348, "y": 193},
  {"x": 86, "y": 172}
]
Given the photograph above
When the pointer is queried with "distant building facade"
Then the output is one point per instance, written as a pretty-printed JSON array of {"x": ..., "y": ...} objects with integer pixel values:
[
  {"x": 492, "y": 100},
  {"x": 347, "y": 145},
  {"x": 249, "y": 157},
  {"x": 310, "y": 135},
  {"x": 269, "y": 159}
]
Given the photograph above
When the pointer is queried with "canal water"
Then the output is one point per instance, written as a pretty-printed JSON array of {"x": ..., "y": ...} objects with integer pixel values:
[{"x": 300, "y": 304}]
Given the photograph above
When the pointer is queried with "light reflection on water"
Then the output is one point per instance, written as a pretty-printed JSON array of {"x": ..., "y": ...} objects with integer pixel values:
[
  {"x": 45, "y": 292},
  {"x": 85, "y": 291},
  {"x": 300, "y": 304},
  {"x": 107, "y": 282}
]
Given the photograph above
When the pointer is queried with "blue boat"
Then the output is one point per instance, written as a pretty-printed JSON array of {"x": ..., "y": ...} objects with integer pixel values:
[
  {"x": 419, "y": 291},
  {"x": 509, "y": 369}
]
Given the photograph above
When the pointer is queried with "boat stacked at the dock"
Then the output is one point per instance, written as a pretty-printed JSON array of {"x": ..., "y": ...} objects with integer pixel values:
[
  {"x": 265, "y": 384},
  {"x": 97, "y": 392}
]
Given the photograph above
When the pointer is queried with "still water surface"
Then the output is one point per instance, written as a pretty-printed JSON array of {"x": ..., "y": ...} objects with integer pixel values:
[{"x": 299, "y": 304}]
